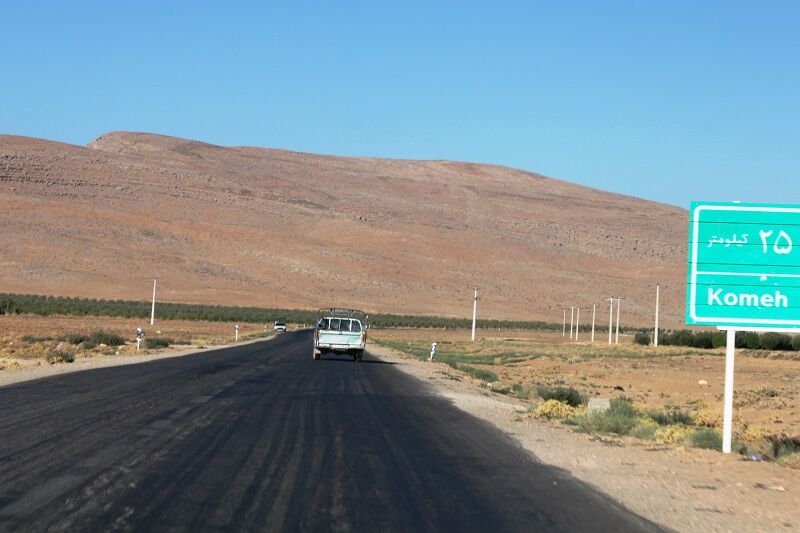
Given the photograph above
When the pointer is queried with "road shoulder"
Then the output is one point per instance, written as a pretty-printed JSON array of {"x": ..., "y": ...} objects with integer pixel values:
[
  {"x": 11, "y": 376},
  {"x": 683, "y": 489}
]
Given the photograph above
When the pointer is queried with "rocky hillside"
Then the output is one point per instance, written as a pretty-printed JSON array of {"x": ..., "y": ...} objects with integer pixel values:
[{"x": 254, "y": 226}]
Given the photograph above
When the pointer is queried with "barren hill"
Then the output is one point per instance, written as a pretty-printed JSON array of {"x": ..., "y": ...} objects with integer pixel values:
[{"x": 265, "y": 227}]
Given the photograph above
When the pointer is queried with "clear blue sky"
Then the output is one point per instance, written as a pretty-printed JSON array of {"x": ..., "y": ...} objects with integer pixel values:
[{"x": 670, "y": 101}]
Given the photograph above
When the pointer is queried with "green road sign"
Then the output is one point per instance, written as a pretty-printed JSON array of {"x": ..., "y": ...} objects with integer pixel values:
[{"x": 744, "y": 265}]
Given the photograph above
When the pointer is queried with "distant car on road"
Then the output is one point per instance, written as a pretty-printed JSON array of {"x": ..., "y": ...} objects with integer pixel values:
[
  {"x": 340, "y": 331},
  {"x": 280, "y": 326}
]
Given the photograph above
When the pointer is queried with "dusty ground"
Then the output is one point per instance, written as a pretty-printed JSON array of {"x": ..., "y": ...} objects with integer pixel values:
[
  {"x": 23, "y": 357},
  {"x": 682, "y": 488},
  {"x": 767, "y": 384}
]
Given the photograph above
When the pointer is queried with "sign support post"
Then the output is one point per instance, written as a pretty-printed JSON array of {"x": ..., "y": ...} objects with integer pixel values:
[{"x": 727, "y": 413}]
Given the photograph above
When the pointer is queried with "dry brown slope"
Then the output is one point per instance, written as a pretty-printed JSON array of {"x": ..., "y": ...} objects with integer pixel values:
[{"x": 252, "y": 226}]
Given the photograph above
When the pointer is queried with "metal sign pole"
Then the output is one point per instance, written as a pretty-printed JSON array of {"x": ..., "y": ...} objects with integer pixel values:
[{"x": 727, "y": 416}]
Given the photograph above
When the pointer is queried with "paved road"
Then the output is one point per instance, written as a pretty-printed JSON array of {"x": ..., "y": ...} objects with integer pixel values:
[{"x": 262, "y": 438}]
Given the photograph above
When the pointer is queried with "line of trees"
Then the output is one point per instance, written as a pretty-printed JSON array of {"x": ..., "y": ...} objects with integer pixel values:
[
  {"x": 744, "y": 339},
  {"x": 15, "y": 304}
]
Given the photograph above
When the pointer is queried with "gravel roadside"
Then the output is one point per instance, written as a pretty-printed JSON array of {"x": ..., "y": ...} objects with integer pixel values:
[{"x": 36, "y": 371}]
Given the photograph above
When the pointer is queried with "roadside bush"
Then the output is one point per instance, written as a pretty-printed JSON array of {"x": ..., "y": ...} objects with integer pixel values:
[
  {"x": 703, "y": 339},
  {"x": 619, "y": 418},
  {"x": 775, "y": 341},
  {"x": 33, "y": 339},
  {"x": 796, "y": 343},
  {"x": 670, "y": 417},
  {"x": 790, "y": 461},
  {"x": 641, "y": 338},
  {"x": 718, "y": 339},
  {"x": 645, "y": 429},
  {"x": 567, "y": 395},
  {"x": 519, "y": 391},
  {"x": 109, "y": 339},
  {"x": 157, "y": 342},
  {"x": 709, "y": 439},
  {"x": 775, "y": 447},
  {"x": 89, "y": 344},
  {"x": 61, "y": 357},
  {"x": 553, "y": 409},
  {"x": 751, "y": 340},
  {"x": 75, "y": 338}
]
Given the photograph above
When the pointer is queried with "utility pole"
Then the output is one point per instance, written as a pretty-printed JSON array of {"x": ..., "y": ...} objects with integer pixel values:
[
  {"x": 655, "y": 333},
  {"x": 577, "y": 323},
  {"x": 564, "y": 327},
  {"x": 153, "y": 309},
  {"x": 474, "y": 312},
  {"x": 571, "y": 320},
  {"x": 594, "y": 308},
  {"x": 616, "y": 340},
  {"x": 610, "y": 317}
]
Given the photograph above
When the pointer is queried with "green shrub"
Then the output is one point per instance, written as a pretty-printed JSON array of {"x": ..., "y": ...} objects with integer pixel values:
[
  {"x": 751, "y": 340},
  {"x": 619, "y": 418},
  {"x": 520, "y": 392},
  {"x": 89, "y": 344},
  {"x": 796, "y": 343},
  {"x": 670, "y": 417},
  {"x": 718, "y": 339},
  {"x": 644, "y": 431},
  {"x": 775, "y": 341},
  {"x": 708, "y": 439},
  {"x": 703, "y": 339},
  {"x": 75, "y": 338},
  {"x": 483, "y": 375},
  {"x": 157, "y": 342},
  {"x": 109, "y": 339},
  {"x": 641, "y": 338},
  {"x": 773, "y": 447},
  {"x": 567, "y": 395},
  {"x": 32, "y": 339}
]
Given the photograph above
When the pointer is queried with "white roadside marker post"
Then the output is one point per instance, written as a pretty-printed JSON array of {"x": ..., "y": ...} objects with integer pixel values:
[
  {"x": 236, "y": 332},
  {"x": 594, "y": 308},
  {"x": 727, "y": 413},
  {"x": 616, "y": 340},
  {"x": 564, "y": 326},
  {"x": 433, "y": 351},
  {"x": 153, "y": 309},
  {"x": 655, "y": 333},
  {"x": 474, "y": 312},
  {"x": 610, "y": 317},
  {"x": 577, "y": 323},
  {"x": 138, "y": 337},
  {"x": 571, "y": 319}
]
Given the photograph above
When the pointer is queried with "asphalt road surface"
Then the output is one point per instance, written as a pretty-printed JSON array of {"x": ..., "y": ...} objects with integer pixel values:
[{"x": 260, "y": 437}]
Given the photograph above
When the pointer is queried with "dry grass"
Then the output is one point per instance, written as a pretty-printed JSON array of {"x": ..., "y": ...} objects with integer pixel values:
[{"x": 686, "y": 381}]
